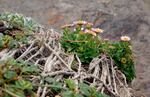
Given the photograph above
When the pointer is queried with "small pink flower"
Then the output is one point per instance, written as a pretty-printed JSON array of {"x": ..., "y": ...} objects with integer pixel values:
[
  {"x": 125, "y": 38},
  {"x": 67, "y": 26},
  {"x": 90, "y": 32},
  {"x": 97, "y": 30},
  {"x": 80, "y": 22},
  {"x": 90, "y": 24}
]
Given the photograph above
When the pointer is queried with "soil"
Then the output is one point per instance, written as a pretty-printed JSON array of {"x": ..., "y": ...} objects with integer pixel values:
[{"x": 116, "y": 17}]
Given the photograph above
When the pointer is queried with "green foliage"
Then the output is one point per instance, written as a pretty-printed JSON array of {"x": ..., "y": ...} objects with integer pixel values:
[
  {"x": 80, "y": 90},
  {"x": 69, "y": 88},
  {"x": 71, "y": 84},
  {"x": 14, "y": 20},
  {"x": 14, "y": 74},
  {"x": 13, "y": 77},
  {"x": 86, "y": 46},
  {"x": 8, "y": 42},
  {"x": 90, "y": 91},
  {"x": 17, "y": 29},
  {"x": 22, "y": 84},
  {"x": 10, "y": 74},
  {"x": 122, "y": 55}
]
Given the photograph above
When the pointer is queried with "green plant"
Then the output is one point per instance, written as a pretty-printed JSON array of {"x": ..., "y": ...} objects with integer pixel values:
[
  {"x": 121, "y": 53},
  {"x": 84, "y": 42},
  {"x": 8, "y": 42},
  {"x": 80, "y": 90},
  {"x": 13, "y": 78},
  {"x": 74, "y": 90},
  {"x": 123, "y": 57},
  {"x": 81, "y": 42},
  {"x": 18, "y": 21},
  {"x": 16, "y": 31}
]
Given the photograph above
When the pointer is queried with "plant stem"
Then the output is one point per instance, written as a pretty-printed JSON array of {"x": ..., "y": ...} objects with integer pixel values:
[
  {"x": 10, "y": 93},
  {"x": 52, "y": 86}
]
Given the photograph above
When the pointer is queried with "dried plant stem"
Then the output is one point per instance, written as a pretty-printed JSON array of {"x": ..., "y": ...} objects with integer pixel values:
[
  {"x": 53, "y": 62},
  {"x": 44, "y": 92},
  {"x": 29, "y": 49},
  {"x": 58, "y": 57},
  {"x": 58, "y": 73}
]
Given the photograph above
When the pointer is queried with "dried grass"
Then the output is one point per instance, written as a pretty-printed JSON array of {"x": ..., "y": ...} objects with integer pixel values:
[{"x": 45, "y": 52}]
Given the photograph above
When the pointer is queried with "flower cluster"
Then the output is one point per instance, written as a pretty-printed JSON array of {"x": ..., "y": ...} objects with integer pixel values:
[
  {"x": 82, "y": 39},
  {"x": 86, "y": 27}
]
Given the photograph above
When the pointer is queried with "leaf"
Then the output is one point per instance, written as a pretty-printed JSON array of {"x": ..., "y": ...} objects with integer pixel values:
[
  {"x": 85, "y": 46},
  {"x": 84, "y": 89},
  {"x": 19, "y": 21},
  {"x": 57, "y": 86},
  {"x": 11, "y": 90},
  {"x": 70, "y": 83},
  {"x": 6, "y": 95},
  {"x": 49, "y": 80},
  {"x": 24, "y": 40},
  {"x": 12, "y": 44},
  {"x": 67, "y": 94},
  {"x": 22, "y": 84},
  {"x": 101, "y": 95},
  {"x": 30, "y": 69},
  {"x": 1, "y": 81},
  {"x": 10, "y": 74},
  {"x": 1, "y": 42},
  {"x": 20, "y": 94},
  {"x": 78, "y": 95}
]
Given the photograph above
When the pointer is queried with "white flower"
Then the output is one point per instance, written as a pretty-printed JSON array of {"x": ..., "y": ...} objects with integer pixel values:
[
  {"x": 125, "y": 38},
  {"x": 82, "y": 29}
]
